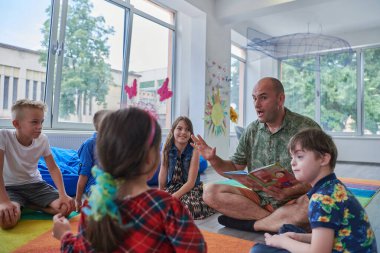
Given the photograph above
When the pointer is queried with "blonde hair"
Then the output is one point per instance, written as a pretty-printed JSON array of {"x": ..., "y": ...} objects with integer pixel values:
[{"x": 21, "y": 104}]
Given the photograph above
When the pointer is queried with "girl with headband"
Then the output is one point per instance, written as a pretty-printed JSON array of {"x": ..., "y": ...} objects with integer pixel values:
[{"x": 123, "y": 214}]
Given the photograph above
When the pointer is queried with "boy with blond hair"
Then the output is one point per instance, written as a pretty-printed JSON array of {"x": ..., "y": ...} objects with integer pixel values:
[{"x": 21, "y": 183}]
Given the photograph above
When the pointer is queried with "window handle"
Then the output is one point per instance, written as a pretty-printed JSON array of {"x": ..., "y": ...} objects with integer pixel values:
[{"x": 58, "y": 48}]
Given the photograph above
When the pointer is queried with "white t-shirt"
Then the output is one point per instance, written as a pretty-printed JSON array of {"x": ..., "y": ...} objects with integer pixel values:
[{"x": 20, "y": 162}]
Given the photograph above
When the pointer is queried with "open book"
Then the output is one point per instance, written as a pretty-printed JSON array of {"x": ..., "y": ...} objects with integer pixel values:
[{"x": 271, "y": 175}]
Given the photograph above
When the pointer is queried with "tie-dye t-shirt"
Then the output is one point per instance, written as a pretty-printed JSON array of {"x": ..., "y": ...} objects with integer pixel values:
[{"x": 333, "y": 206}]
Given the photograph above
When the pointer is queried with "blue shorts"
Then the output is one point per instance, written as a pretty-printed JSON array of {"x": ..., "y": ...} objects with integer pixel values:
[{"x": 39, "y": 194}]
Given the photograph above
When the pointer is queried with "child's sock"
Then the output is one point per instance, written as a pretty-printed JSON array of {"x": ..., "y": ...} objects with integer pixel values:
[{"x": 246, "y": 225}]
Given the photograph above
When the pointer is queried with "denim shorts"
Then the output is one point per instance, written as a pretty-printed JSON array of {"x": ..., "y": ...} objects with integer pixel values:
[{"x": 39, "y": 194}]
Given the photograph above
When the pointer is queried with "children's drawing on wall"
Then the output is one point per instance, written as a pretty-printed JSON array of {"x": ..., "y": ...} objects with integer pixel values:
[{"x": 216, "y": 114}]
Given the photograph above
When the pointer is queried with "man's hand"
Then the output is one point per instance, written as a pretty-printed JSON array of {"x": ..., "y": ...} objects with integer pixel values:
[
  {"x": 9, "y": 214},
  {"x": 205, "y": 150},
  {"x": 61, "y": 226},
  {"x": 66, "y": 205}
]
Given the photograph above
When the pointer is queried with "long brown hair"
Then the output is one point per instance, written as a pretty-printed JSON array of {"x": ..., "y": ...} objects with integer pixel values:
[
  {"x": 123, "y": 143},
  {"x": 170, "y": 138}
]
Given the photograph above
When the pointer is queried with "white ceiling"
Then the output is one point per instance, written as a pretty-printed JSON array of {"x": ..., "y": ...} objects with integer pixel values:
[{"x": 280, "y": 17}]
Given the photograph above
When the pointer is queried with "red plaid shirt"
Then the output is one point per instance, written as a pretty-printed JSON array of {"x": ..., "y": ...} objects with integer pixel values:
[{"x": 160, "y": 224}]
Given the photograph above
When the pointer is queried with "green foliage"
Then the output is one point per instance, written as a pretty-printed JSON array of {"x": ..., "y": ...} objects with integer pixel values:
[
  {"x": 338, "y": 90},
  {"x": 85, "y": 73},
  {"x": 299, "y": 87},
  {"x": 372, "y": 90}
]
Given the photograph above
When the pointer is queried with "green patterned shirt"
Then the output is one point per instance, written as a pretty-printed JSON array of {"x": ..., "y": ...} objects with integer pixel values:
[{"x": 259, "y": 147}]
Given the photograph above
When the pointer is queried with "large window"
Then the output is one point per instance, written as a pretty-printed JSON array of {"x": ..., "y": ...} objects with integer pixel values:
[
  {"x": 335, "y": 93},
  {"x": 338, "y": 96},
  {"x": 371, "y": 82},
  {"x": 150, "y": 64},
  {"x": 299, "y": 85},
  {"x": 79, "y": 56},
  {"x": 238, "y": 58}
]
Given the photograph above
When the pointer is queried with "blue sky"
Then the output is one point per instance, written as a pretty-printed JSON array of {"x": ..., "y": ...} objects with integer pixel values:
[
  {"x": 30, "y": 17},
  {"x": 21, "y": 22}
]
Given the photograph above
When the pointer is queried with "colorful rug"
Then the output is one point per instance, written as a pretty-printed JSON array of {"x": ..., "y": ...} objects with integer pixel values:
[
  {"x": 363, "y": 189},
  {"x": 33, "y": 235}
]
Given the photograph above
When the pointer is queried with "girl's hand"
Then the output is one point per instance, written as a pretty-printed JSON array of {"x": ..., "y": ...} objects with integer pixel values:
[{"x": 61, "y": 226}]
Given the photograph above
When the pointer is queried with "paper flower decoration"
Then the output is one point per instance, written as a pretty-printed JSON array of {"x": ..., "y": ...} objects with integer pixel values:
[
  {"x": 131, "y": 90},
  {"x": 233, "y": 115},
  {"x": 164, "y": 91}
]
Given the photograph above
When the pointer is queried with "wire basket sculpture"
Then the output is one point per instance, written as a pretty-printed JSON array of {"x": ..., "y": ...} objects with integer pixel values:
[{"x": 299, "y": 46}]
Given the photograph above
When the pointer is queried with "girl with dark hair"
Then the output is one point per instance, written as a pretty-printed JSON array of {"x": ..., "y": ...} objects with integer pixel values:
[
  {"x": 179, "y": 169},
  {"x": 123, "y": 214}
]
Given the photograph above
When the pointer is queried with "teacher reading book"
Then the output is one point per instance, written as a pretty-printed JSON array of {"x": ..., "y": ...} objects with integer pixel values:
[{"x": 263, "y": 142}]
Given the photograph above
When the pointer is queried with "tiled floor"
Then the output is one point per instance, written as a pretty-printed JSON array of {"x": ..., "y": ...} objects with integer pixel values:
[{"x": 365, "y": 171}]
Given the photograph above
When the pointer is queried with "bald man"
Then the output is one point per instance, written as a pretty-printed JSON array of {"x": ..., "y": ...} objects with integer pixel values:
[{"x": 263, "y": 142}]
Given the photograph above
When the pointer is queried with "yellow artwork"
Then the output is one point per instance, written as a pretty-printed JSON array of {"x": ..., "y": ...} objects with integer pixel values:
[{"x": 216, "y": 113}]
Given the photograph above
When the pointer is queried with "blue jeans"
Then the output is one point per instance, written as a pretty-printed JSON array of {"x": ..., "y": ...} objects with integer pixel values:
[{"x": 262, "y": 248}]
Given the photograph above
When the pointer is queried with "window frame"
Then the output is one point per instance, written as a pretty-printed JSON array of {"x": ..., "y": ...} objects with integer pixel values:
[{"x": 242, "y": 108}]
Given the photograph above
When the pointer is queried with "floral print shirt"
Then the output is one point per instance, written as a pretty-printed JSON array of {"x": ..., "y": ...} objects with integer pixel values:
[
  {"x": 259, "y": 147},
  {"x": 333, "y": 206}
]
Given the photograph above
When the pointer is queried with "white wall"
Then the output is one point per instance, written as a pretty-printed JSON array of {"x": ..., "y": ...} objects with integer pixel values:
[{"x": 218, "y": 50}]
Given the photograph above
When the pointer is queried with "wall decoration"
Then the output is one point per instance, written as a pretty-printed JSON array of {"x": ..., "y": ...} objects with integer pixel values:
[
  {"x": 217, "y": 74},
  {"x": 149, "y": 107},
  {"x": 233, "y": 115},
  {"x": 216, "y": 113},
  {"x": 164, "y": 91},
  {"x": 131, "y": 90}
]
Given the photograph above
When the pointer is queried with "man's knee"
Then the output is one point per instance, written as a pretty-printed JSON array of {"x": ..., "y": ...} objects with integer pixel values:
[
  {"x": 300, "y": 208},
  {"x": 210, "y": 193}
]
